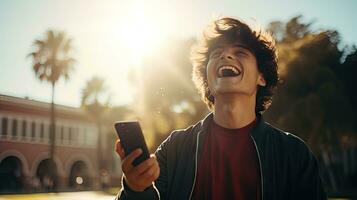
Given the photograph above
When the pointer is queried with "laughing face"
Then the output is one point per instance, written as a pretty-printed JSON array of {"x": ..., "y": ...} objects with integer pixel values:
[{"x": 232, "y": 69}]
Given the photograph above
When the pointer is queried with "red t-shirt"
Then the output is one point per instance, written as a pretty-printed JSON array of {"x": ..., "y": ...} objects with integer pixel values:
[{"x": 228, "y": 167}]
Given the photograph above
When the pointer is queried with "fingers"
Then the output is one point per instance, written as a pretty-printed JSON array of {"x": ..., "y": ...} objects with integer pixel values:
[
  {"x": 119, "y": 149},
  {"x": 148, "y": 170},
  {"x": 140, "y": 177},
  {"x": 149, "y": 174},
  {"x": 155, "y": 175},
  {"x": 128, "y": 160},
  {"x": 144, "y": 166},
  {"x": 154, "y": 172}
]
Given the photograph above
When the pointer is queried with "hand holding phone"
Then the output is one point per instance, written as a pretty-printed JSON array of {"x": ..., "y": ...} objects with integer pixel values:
[
  {"x": 132, "y": 146},
  {"x": 131, "y": 138}
]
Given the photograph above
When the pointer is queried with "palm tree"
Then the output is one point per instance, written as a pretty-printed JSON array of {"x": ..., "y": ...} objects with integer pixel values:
[
  {"x": 90, "y": 102},
  {"x": 51, "y": 61},
  {"x": 91, "y": 92}
]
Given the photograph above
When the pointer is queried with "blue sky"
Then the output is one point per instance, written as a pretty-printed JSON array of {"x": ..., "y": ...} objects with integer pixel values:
[{"x": 100, "y": 35}]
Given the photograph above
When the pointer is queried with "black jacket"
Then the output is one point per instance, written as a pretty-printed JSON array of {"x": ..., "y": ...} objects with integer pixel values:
[{"x": 288, "y": 168}]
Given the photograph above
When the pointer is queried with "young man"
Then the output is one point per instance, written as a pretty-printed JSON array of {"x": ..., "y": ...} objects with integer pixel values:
[{"x": 232, "y": 153}]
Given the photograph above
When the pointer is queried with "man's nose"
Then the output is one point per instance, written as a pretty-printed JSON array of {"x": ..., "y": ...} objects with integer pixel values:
[{"x": 227, "y": 55}]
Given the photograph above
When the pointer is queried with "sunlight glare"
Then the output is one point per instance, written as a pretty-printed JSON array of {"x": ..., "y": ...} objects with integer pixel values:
[{"x": 140, "y": 33}]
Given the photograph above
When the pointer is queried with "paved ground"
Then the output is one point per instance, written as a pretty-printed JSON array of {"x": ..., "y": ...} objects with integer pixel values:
[{"x": 91, "y": 195}]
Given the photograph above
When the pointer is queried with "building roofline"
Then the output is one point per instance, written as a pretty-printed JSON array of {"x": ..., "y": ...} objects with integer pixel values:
[{"x": 32, "y": 104}]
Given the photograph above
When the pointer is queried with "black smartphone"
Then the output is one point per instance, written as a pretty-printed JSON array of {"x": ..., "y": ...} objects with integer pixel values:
[{"x": 131, "y": 137}]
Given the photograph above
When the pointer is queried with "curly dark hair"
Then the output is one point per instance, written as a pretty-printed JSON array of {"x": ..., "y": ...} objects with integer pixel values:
[{"x": 260, "y": 43}]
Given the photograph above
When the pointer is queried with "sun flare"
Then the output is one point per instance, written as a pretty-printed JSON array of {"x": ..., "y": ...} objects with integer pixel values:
[{"x": 140, "y": 33}]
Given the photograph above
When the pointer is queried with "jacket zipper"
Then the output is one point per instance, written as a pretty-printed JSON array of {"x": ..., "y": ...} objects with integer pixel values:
[
  {"x": 260, "y": 165},
  {"x": 196, "y": 158}
]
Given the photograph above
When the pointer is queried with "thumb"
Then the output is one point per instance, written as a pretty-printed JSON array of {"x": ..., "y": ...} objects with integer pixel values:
[{"x": 119, "y": 149}]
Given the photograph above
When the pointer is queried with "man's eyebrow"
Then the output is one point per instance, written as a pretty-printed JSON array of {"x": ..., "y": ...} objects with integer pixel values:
[{"x": 241, "y": 46}]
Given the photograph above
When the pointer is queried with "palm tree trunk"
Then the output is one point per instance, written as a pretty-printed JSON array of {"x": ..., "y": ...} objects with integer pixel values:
[
  {"x": 52, "y": 133},
  {"x": 99, "y": 151}
]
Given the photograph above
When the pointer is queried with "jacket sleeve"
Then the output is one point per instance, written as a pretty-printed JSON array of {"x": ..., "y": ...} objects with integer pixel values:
[
  {"x": 307, "y": 184},
  {"x": 158, "y": 189},
  {"x": 126, "y": 193},
  {"x": 161, "y": 155}
]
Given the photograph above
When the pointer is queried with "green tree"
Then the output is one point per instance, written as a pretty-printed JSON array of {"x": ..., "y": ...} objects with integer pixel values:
[
  {"x": 346, "y": 73},
  {"x": 90, "y": 101},
  {"x": 318, "y": 107},
  {"x": 52, "y": 59},
  {"x": 315, "y": 97}
]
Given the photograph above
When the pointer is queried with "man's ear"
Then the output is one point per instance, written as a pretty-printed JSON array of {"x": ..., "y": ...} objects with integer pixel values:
[{"x": 261, "y": 80}]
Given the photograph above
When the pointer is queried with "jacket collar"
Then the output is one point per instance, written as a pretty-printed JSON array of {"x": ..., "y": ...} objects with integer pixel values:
[
  {"x": 255, "y": 132},
  {"x": 206, "y": 122}
]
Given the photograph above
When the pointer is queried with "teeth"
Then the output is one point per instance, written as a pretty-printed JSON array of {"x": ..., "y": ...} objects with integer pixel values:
[{"x": 235, "y": 70}]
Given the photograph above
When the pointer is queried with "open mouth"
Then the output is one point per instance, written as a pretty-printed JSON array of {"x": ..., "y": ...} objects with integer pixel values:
[{"x": 228, "y": 71}]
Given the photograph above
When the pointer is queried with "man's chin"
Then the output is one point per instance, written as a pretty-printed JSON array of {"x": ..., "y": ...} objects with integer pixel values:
[{"x": 229, "y": 92}]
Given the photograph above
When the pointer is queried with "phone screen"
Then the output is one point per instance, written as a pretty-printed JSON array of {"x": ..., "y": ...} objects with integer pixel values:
[{"x": 131, "y": 138}]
